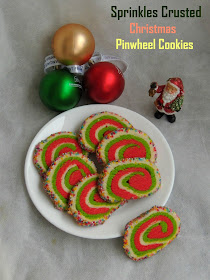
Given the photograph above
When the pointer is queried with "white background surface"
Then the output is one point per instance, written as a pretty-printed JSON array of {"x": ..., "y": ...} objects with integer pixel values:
[{"x": 32, "y": 248}]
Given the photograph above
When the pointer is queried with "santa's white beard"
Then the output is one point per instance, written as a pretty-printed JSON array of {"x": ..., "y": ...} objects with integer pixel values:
[{"x": 168, "y": 97}]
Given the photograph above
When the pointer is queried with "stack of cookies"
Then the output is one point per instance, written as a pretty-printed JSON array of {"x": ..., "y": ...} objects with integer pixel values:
[{"x": 71, "y": 179}]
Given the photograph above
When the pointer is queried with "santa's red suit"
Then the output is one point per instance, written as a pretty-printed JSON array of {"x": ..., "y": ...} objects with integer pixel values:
[{"x": 170, "y": 103}]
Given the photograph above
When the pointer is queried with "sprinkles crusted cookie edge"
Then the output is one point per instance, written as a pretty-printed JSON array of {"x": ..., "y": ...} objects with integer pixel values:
[
  {"x": 113, "y": 133},
  {"x": 52, "y": 196},
  {"x": 129, "y": 160},
  {"x": 80, "y": 138},
  {"x": 130, "y": 224},
  {"x": 76, "y": 214},
  {"x": 38, "y": 150}
]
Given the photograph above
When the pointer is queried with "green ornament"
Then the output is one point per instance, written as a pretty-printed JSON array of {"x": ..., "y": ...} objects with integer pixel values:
[{"x": 60, "y": 90}]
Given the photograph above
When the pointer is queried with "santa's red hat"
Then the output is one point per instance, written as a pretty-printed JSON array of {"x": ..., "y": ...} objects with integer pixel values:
[{"x": 177, "y": 83}]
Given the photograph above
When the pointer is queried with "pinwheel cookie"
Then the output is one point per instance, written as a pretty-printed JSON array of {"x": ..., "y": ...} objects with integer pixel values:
[
  {"x": 86, "y": 205},
  {"x": 95, "y": 127},
  {"x": 55, "y": 145},
  {"x": 150, "y": 232},
  {"x": 126, "y": 143},
  {"x": 128, "y": 179},
  {"x": 65, "y": 172}
]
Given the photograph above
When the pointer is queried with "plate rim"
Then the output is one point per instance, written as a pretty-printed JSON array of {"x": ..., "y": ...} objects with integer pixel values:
[{"x": 32, "y": 145}]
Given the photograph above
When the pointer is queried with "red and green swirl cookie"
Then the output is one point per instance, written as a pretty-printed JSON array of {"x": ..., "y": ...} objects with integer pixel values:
[
  {"x": 64, "y": 173},
  {"x": 150, "y": 232},
  {"x": 97, "y": 126},
  {"x": 55, "y": 145},
  {"x": 126, "y": 143},
  {"x": 128, "y": 179},
  {"x": 86, "y": 205}
]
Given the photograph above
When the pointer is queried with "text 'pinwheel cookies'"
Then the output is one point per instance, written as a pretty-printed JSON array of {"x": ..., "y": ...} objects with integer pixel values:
[
  {"x": 65, "y": 172},
  {"x": 126, "y": 143},
  {"x": 150, "y": 232},
  {"x": 128, "y": 179},
  {"x": 86, "y": 205},
  {"x": 95, "y": 127},
  {"x": 53, "y": 146}
]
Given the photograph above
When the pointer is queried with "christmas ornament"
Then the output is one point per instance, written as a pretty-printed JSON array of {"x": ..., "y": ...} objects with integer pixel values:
[
  {"x": 170, "y": 99},
  {"x": 73, "y": 44},
  {"x": 73, "y": 54},
  {"x": 60, "y": 90},
  {"x": 104, "y": 82}
]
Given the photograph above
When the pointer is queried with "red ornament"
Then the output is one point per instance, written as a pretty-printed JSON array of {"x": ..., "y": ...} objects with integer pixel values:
[{"x": 104, "y": 82}]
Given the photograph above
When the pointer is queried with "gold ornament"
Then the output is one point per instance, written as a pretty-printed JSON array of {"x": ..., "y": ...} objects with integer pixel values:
[{"x": 73, "y": 44}]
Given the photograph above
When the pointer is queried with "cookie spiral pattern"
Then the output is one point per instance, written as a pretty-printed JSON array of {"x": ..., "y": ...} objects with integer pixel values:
[
  {"x": 65, "y": 172},
  {"x": 86, "y": 205},
  {"x": 55, "y": 145},
  {"x": 128, "y": 179},
  {"x": 126, "y": 143},
  {"x": 95, "y": 127},
  {"x": 150, "y": 232}
]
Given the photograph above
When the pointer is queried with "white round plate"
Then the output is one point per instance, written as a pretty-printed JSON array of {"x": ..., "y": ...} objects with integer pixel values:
[{"x": 71, "y": 121}]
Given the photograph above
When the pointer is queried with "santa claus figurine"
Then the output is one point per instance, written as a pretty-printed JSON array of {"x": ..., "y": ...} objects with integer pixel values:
[{"x": 170, "y": 99}]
